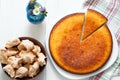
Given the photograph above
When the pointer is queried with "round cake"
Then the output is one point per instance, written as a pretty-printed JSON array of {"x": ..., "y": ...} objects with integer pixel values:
[{"x": 74, "y": 55}]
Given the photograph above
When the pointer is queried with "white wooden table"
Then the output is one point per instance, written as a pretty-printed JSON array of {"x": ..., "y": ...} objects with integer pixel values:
[{"x": 13, "y": 23}]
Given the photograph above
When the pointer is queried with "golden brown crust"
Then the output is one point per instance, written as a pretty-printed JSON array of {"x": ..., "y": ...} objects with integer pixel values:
[
  {"x": 93, "y": 21},
  {"x": 75, "y": 56}
]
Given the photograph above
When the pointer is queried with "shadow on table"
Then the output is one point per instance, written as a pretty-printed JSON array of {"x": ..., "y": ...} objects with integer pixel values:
[{"x": 37, "y": 31}]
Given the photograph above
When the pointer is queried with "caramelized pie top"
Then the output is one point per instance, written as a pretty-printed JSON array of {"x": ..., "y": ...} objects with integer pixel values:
[
  {"x": 93, "y": 21},
  {"x": 73, "y": 55}
]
